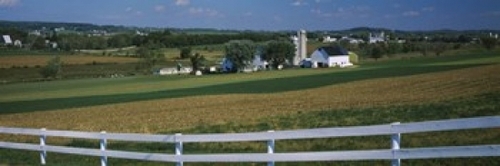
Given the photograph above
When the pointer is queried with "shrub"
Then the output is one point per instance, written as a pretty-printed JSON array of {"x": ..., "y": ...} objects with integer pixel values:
[{"x": 52, "y": 69}]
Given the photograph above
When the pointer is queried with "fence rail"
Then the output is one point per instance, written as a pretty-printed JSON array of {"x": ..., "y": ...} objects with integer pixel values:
[{"x": 395, "y": 153}]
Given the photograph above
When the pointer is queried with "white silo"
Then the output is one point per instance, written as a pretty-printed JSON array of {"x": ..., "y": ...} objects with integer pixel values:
[{"x": 300, "y": 42}]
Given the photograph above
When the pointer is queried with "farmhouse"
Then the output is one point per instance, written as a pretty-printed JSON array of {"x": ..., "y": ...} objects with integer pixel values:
[
  {"x": 330, "y": 57},
  {"x": 6, "y": 40},
  {"x": 255, "y": 65},
  {"x": 377, "y": 37}
]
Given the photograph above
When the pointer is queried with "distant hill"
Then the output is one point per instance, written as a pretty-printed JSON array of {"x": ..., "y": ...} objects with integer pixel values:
[{"x": 86, "y": 27}]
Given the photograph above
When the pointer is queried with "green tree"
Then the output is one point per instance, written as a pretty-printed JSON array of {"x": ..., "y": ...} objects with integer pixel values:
[
  {"x": 277, "y": 52},
  {"x": 376, "y": 51},
  {"x": 39, "y": 44},
  {"x": 439, "y": 48},
  {"x": 120, "y": 41},
  {"x": 488, "y": 42},
  {"x": 197, "y": 61},
  {"x": 240, "y": 53},
  {"x": 423, "y": 48},
  {"x": 149, "y": 56},
  {"x": 52, "y": 69},
  {"x": 185, "y": 52}
]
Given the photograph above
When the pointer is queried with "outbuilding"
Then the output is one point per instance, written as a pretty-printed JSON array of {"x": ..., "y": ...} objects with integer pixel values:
[{"x": 330, "y": 56}]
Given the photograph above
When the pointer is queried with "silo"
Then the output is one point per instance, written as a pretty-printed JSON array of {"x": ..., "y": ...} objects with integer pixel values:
[
  {"x": 303, "y": 44},
  {"x": 300, "y": 42}
]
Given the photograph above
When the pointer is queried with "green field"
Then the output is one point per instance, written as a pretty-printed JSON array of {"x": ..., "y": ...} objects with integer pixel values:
[{"x": 408, "y": 90}]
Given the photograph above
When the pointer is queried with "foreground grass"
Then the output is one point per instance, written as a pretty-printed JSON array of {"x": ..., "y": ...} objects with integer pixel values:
[{"x": 472, "y": 106}]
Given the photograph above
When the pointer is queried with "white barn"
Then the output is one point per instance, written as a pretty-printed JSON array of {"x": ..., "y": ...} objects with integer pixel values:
[{"x": 330, "y": 57}]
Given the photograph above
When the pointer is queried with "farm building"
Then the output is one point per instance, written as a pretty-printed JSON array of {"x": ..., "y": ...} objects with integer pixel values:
[
  {"x": 6, "y": 40},
  {"x": 330, "y": 57},
  {"x": 175, "y": 71},
  {"x": 255, "y": 65},
  {"x": 377, "y": 37}
]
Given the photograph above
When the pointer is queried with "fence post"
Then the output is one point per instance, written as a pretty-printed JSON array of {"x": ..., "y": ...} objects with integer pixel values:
[
  {"x": 103, "y": 142},
  {"x": 43, "y": 152},
  {"x": 178, "y": 149},
  {"x": 395, "y": 145},
  {"x": 270, "y": 148}
]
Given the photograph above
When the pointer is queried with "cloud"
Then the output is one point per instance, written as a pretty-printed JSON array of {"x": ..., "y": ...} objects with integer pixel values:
[
  {"x": 198, "y": 11},
  {"x": 132, "y": 11},
  {"x": 9, "y": 3},
  {"x": 298, "y": 3},
  {"x": 182, "y": 2},
  {"x": 277, "y": 18},
  {"x": 248, "y": 14},
  {"x": 491, "y": 14},
  {"x": 411, "y": 13},
  {"x": 428, "y": 9},
  {"x": 341, "y": 12},
  {"x": 159, "y": 8}
]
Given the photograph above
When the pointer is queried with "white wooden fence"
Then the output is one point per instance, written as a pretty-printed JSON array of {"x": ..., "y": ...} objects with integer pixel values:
[{"x": 395, "y": 153}]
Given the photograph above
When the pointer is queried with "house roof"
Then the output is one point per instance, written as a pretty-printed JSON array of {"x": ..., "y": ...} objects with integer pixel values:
[{"x": 334, "y": 50}]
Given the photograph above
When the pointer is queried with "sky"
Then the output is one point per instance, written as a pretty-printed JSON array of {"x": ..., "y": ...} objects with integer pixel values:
[{"x": 263, "y": 14}]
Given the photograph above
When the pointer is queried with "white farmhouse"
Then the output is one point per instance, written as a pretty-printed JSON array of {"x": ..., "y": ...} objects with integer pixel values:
[
  {"x": 377, "y": 37},
  {"x": 6, "y": 39},
  {"x": 330, "y": 57},
  {"x": 255, "y": 65}
]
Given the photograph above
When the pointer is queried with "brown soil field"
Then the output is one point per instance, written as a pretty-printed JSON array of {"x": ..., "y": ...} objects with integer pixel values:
[
  {"x": 32, "y": 61},
  {"x": 163, "y": 115}
]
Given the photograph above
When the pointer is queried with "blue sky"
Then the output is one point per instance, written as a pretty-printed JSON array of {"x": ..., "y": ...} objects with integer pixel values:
[{"x": 263, "y": 14}]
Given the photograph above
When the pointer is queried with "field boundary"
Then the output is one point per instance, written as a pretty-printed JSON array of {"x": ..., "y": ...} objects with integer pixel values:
[{"x": 395, "y": 154}]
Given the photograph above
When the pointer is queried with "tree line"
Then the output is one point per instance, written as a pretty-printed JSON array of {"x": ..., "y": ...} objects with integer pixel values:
[{"x": 75, "y": 41}]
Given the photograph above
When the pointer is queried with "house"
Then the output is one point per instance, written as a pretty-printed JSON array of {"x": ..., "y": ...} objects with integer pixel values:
[
  {"x": 6, "y": 39},
  {"x": 351, "y": 40},
  {"x": 18, "y": 43},
  {"x": 328, "y": 39},
  {"x": 377, "y": 37},
  {"x": 259, "y": 64},
  {"x": 255, "y": 65},
  {"x": 330, "y": 56},
  {"x": 174, "y": 71}
]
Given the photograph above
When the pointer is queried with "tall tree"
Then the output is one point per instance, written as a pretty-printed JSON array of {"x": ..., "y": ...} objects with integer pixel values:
[
  {"x": 240, "y": 53},
  {"x": 488, "y": 42},
  {"x": 185, "y": 52},
  {"x": 149, "y": 55},
  {"x": 277, "y": 52},
  {"x": 377, "y": 51},
  {"x": 197, "y": 61}
]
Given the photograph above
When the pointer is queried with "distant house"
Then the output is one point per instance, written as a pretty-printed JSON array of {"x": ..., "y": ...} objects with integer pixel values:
[
  {"x": 6, "y": 40},
  {"x": 330, "y": 57},
  {"x": 328, "y": 39},
  {"x": 377, "y": 37},
  {"x": 175, "y": 71},
  {"x": 18, "y": 43}
]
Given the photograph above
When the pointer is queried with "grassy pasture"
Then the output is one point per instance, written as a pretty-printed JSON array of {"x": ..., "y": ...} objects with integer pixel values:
[
  {"x": 41, "y": 60},
  {"x": 380, "y": 92}
]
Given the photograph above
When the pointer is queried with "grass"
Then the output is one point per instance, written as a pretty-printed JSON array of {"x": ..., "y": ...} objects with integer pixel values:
[
  {"x": 472, "y": 106},
  {"x": 41, "y": 60},
  {"x": 417, "y": 89}
]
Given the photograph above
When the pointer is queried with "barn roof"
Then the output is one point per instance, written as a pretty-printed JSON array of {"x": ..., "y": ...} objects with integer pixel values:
[{"x": 334, "y": 50}]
